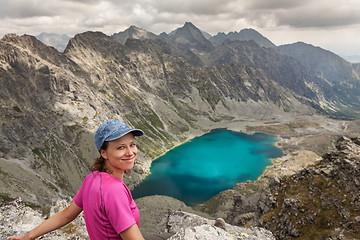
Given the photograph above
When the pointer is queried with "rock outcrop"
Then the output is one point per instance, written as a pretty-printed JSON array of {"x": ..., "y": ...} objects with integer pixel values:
[
  {"x": 16, "y": 219},
  {"x": 187, "y": 226},
  {"x": 322, "y": 201}
]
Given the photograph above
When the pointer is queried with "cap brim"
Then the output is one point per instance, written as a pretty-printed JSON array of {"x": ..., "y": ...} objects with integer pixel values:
[{"x": 135, "y": 132}]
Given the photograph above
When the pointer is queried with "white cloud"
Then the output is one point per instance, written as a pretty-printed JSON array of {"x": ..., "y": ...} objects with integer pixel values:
[{"x": 279, "y": 20}]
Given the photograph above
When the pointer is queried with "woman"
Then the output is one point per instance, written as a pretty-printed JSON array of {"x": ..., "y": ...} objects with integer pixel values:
[{"x": 109, "y": 209}]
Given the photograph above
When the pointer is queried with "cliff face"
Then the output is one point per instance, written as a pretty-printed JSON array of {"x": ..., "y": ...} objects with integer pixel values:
[{"x": 39, "y": 157}]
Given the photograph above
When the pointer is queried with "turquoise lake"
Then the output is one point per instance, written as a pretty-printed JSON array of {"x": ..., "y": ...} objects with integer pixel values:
[{"x": 201, "y": 168}]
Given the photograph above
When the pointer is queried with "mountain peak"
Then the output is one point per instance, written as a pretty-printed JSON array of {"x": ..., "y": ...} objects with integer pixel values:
[
  {"x": 192, "y": 36},
  {"x": 189, "y": 24},
  {"x": 133, "y": 32},
  {"x": 246, "y": 34}
]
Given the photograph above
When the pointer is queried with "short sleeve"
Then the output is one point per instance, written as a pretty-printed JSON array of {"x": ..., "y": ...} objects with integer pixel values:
[
  {"x": 78, "y": 198},
  {"x": 118, "y": 210}
]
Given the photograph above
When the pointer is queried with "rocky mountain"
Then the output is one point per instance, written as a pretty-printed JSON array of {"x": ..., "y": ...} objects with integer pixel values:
[
  {"x": 341, "y": 74},
  {"x": 247, "y": 34},
  {"x": 356, "y": 67},
  {"x": 189, "y": 43},
  {"x": 192, "y": 37},
  {"x": 323, "y": 63},
  {"x": 133, "y": 32},
  {"x": 276, "y": 66},
  {"x": 313, "y": 88},
  {"x": 328, "y": 204},
  {"x": 53, "y": 39},
  {"x": 340, "y": 99},
  {"x": 172, "y": 33}
]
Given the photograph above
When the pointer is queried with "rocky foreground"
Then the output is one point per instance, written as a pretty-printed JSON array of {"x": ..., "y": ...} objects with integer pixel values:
[{"x": 17, "y": 219}]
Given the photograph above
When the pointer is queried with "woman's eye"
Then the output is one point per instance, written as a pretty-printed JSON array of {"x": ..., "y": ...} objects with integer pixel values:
[{"x": 121, "y": 147}]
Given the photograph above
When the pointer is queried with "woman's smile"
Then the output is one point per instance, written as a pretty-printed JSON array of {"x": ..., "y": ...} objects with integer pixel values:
[
  {"x": 120, "y": 154},
  {"x": 129, "y": 159}
]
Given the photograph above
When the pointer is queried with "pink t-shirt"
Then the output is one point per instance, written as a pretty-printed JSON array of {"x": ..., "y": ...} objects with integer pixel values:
[{"x": 108, "y": 206}]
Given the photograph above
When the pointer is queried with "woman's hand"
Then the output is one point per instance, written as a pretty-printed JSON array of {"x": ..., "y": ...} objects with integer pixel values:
[{"x": 25, "y": 237}]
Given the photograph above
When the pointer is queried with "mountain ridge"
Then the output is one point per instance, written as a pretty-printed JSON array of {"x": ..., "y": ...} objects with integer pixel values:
[
  {"x": 133, "y": 32},
  {"x": 246, "y": 34},
  {"x": 340, "y": 74}
]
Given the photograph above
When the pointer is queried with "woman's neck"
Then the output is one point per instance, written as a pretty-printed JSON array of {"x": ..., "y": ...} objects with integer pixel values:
[{"x": 118, "y": 173}]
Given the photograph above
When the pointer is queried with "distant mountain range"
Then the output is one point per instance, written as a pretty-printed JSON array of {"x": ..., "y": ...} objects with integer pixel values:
[
  {"x": 336, "y": 76},
  {"x": 59, "y": 41}
]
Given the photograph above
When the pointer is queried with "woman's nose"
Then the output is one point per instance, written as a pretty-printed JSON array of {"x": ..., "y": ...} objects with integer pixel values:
[{"x": 129, "y": 151}]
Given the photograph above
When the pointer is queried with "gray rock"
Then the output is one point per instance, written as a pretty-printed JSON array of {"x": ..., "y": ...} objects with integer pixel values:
[
  {"x": 190, "y": 226},
  {"x": 202, "y": 232},
  {"x": 219, "y": 222},
  {"x": 16, "y": 219},
  {"x": 154, "y": 212}
]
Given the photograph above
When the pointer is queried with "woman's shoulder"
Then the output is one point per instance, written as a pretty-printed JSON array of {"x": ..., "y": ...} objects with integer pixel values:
[{"x": 93, "y": 174}]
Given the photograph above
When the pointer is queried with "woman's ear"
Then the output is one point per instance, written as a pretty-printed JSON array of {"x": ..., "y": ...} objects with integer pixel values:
[{"x": 103, "y": 153}]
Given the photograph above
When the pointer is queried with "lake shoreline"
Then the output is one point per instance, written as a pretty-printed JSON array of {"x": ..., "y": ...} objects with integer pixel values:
[{"x": 195, "y": 165}]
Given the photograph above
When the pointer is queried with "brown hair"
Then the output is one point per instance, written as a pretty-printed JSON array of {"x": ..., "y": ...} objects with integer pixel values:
[{"x": 99, "y": 163}]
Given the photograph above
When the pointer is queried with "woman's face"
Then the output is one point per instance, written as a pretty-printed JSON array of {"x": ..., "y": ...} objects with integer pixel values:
[{"x": 120, "y": 154}]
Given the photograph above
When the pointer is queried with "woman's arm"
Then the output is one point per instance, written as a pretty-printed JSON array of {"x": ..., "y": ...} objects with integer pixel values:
[
  {"x": 132, "y": 233},
  {"x": 57, "y": 221}
]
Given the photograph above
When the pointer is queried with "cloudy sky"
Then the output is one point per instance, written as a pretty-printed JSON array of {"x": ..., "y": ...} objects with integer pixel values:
[{"x": 331, "y": 24}]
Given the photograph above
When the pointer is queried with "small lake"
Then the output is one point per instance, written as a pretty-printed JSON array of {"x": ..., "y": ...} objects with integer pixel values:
[{"x": 201, "y": 168}]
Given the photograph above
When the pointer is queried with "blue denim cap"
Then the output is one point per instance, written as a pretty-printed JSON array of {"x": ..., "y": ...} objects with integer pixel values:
[{"x": 111, "y": 130}]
